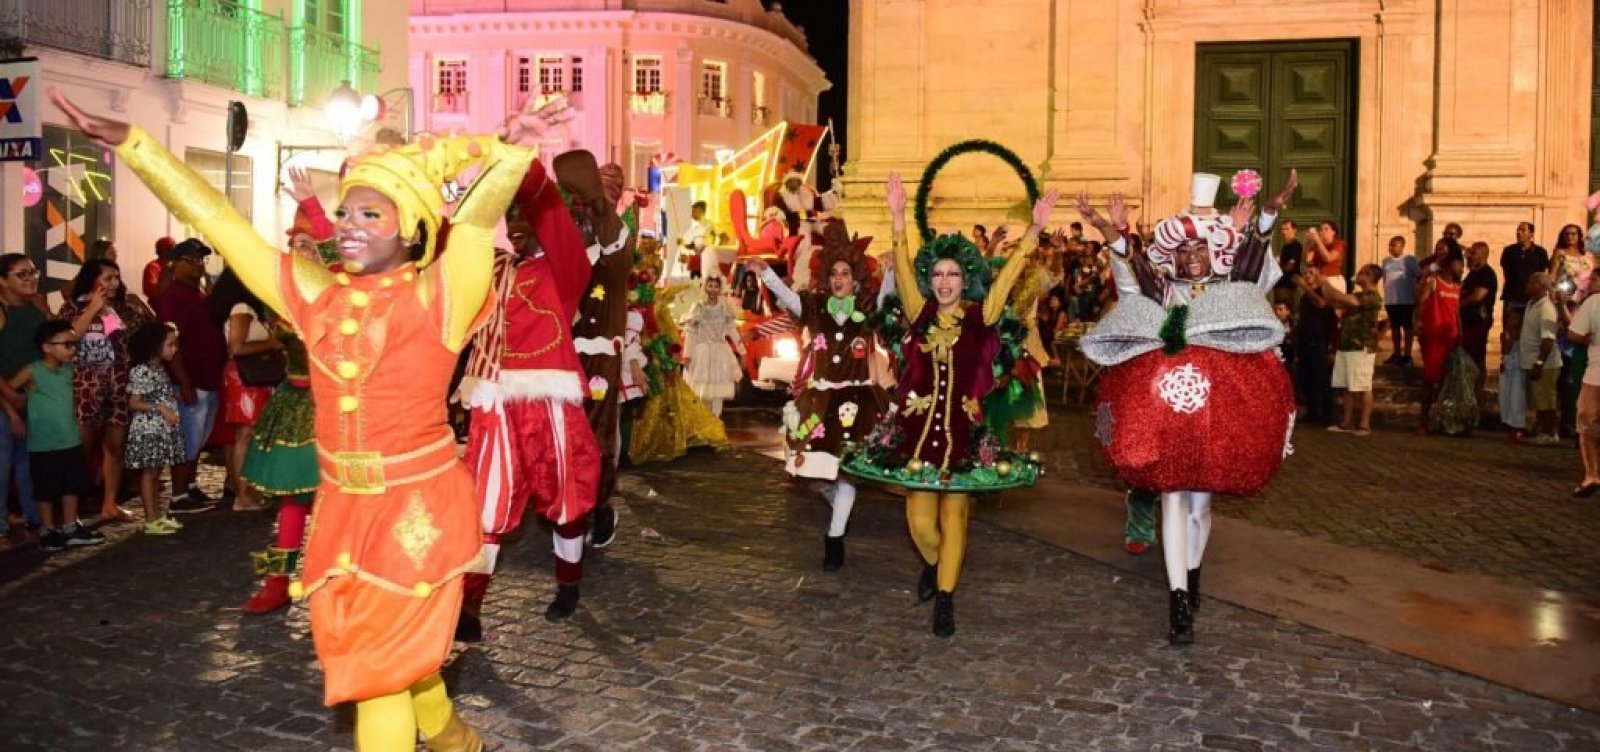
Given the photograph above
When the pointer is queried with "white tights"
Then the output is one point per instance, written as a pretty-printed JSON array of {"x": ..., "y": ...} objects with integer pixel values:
[
  {"x": 716, "y": 407},
  {"x": 842, "y": 497},
  {"x": 1185, "y": 527}
]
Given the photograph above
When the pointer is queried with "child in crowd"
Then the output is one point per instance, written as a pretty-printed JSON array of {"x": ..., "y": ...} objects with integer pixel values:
[
  {"x": 1286, "y": 349},
  {"x": 714, "y": 347},
  {"x": 155, "y": 440},
  {"x": 55, "y": 452}
]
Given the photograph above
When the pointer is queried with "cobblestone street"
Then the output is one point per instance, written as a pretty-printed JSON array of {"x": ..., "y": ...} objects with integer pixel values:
[{"x": 709, "y": 626}]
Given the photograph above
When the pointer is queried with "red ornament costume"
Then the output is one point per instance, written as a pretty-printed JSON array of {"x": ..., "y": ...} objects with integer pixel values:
[
  {"x": 530, "y": 440},
  {"x": 1195, "y": 400},
  {"x": 599, "y": 330}
]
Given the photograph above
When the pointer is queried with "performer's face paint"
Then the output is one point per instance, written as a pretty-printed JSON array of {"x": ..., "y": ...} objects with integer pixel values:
[
  {"x": 840, "y": 281},
  {"x": 369, "y": 232},
  {"x": 1192, "y": 260},
  {"x": 947, "y": 281}
]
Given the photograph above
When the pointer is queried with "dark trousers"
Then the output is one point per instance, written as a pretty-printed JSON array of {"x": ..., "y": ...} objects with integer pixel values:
[{"x": 1313, "y": 379}]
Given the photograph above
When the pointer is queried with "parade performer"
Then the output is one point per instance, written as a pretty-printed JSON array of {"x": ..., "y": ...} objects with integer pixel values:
[
  {"x": 529, "y": 440},
  {"x": 838, "y": 403},
  {"x": 711, "y": 338},
  {"x": 803, "y": 209},
  {"x": 281, "y": 460},
  {"x": 600, "y": 328},
  {"x": 1140, "y": 533},
  {"x": 1195, "y": 400},
  {"x": 672, "y": 419},
  {"x": 395, "y": 523},
  {"x": 933, "y": 440}
]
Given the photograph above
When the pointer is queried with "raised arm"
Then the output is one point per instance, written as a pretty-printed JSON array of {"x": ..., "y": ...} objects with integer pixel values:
[
  {"x": 905, "y": 267},
  {"x": 786, "y": 297},
  {"x": 1000, "y": 291},
  {"x": 189, "y": 197}
]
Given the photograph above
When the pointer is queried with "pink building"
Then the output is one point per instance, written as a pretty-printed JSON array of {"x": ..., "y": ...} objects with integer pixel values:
[{"x": 689, "y": 77}]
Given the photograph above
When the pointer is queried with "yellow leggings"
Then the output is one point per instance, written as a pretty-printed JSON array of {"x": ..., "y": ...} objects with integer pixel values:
[
  {"x": 939, "y": 528},
  {"x": 391, "y": 722}
]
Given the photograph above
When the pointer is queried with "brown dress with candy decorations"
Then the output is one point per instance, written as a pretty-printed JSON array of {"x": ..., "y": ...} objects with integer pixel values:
[{"x": 840, "y": 403}]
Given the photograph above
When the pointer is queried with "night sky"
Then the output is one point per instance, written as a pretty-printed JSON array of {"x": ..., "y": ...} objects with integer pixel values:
[{"x": 827, "y": 30}]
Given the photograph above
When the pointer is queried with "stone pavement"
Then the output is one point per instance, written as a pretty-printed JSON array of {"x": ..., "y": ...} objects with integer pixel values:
[
  {"x": 1478, "y": 504},
  {"x": 708, "y": 626}
]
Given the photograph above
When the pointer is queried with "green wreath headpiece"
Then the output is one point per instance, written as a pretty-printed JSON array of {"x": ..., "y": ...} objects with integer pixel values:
[
  {"x": 975, "y": 272},
  {"x": 972, "y": 146}
]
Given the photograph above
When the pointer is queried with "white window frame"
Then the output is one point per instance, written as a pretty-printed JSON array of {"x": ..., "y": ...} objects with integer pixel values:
[
  {"x": 451, "y": 74},
  {"x": 647, "y": 72},
  {"x": 714, "y": 81}
]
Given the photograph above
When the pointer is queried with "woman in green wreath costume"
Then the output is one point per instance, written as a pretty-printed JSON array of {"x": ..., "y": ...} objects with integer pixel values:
[{"x": 933, "y": 440}]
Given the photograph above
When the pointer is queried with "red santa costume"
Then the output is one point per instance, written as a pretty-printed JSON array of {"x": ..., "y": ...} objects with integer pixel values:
[
  {"x": 804, "y": 210},
  {"x": 530, "y": 440}
]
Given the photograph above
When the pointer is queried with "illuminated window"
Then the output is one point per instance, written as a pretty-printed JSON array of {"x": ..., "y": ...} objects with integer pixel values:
[
  {"x": 646, "y": 75},
  {"x": 552, "y": 74}
]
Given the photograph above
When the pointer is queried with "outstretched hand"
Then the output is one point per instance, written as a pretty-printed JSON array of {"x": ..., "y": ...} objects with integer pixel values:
[
  {"x": 300, "y": 184},
  {"x": 1281, "y": 199},
  {"x": 105, "y": 130},
  {"x": 531, "y": 125},
  {"x": 1087, "y": 210},
  {"x": 1043, "y": 208},
  {"x": 1240, "y": 213},
  {"x": 1118, "y": 210},
  {"x": 895, "y": 193}
]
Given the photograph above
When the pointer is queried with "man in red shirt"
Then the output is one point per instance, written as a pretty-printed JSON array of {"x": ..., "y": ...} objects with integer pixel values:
[
  {"x": 157, "y": 268},
  {"x": 202, "y": 354}
]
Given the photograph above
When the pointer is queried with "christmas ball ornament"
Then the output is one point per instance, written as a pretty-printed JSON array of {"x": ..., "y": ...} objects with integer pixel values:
[
  {"x": 1004, "y": 468},
  {"x": 915, "y": 465},
  {"x": 1200, "y": 419},
  {"x": 1034, "y": 457}
]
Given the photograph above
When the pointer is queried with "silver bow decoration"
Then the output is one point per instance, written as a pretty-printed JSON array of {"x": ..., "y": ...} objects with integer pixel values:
[{"x": 1231, "y": 316}]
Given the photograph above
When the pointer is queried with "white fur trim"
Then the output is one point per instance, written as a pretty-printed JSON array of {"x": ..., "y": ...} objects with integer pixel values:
[
  {"x": 569, "y": 550},
  {"x": 817, "y": 465},
  {"x": 479, "y": 394},
  {"x": 546, "y": 384}
]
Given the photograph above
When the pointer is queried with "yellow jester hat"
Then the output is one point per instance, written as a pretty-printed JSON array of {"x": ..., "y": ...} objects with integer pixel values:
[{"x": 413, "y": 177}]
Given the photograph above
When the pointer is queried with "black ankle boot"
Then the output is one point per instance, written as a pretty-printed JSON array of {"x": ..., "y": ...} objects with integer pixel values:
[
  {"x": 928, "y": 583},
  {"x": 1194, "y": 590},
  {"x": 468, "y": 628},
  {"x": 1181, "y": 631},
  {"x": 944, "y": 614},
  {"x": 832, "y": 553},
  {"x": 565, "y": 603}
]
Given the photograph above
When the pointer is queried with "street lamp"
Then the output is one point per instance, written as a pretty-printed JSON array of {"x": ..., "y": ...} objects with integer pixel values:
[{"x": 344, "y": 111}]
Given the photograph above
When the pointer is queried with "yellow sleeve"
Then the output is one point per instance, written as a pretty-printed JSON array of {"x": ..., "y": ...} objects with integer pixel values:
[
  {"x": 1000, "y": 290},
  {"x": 905, "y": 277},
  {"x": 196, "y": 203},
  {"x": 466, "y": 263}
]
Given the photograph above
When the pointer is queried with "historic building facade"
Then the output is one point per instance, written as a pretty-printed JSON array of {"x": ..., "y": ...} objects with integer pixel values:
[
  {"x": 172, "y": 66},
  {"x": 646, "y": 77},
  {"x": 1401, "y": 115}
]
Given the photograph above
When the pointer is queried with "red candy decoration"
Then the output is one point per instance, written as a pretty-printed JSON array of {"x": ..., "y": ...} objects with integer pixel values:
[{"x": 1200, "y": 420}]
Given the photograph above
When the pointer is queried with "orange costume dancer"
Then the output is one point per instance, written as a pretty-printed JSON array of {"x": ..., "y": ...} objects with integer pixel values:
[
  {"x": 530, "y": 440},
  {"x": 395, "y": 523}
]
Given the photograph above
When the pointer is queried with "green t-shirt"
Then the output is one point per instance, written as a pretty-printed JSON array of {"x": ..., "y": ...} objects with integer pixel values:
[
  {"x": 1360, "y": 328},
  {"x": 52, "y": 424},
  {"x": 17, "y": 348}
]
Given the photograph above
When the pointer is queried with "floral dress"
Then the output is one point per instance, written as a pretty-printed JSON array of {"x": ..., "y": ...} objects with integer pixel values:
[{"x": 152, "y": 441}]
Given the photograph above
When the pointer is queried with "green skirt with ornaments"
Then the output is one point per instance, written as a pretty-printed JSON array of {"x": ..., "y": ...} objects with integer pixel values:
[{"x": 282, "y": 460}]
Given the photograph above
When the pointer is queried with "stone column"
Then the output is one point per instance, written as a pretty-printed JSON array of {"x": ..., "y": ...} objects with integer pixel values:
[
  {"x": 685, "y": 105},
  {"x": 887, "y": 118},
  {"x": 600, "y": 103},
  {"x": 1087, "y": 41}
]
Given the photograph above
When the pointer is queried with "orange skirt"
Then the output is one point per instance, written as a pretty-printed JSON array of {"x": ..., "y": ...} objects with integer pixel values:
[{"x": 382, "y": 571}]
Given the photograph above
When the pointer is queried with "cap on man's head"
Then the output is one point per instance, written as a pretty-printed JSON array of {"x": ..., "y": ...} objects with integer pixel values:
[{"x": 193, "y": 247}]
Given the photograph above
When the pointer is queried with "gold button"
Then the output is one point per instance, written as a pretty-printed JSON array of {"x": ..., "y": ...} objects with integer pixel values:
[
  {"x": 349, "y": 370},
  {"x": 344, "y": 560},
  {"x": 387, "y": 282},
  {"x": 348, "y": 403},
  {"x": 349, "y": 327},
  {"x": 408, "y": 276},
  {"x": 297, "y": 590},
  {"x": 422, "y": 590},
  {"x": 359, "y": 299},
  {"x": 342, "y": 278}
]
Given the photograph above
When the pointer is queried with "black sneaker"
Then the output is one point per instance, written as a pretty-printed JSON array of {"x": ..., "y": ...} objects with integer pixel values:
[
  {"x": 82, "y": 536},
  {"x": 187, "y": 504},
  {"x": 53, "y": 540},
  {"x": 603, "y": 528},
  {"x": 195, "y": 493}
]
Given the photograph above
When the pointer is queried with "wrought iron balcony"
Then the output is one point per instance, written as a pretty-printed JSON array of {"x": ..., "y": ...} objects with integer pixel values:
[
  {"x": 761, "y": 116},
  {"x": 450, "y": 102},
  {"x": 321, "y": 61},
  {"x": 226, "y": 44},
  {"x": 721, "y": 107},
  {"x": 117, "y": 31}
]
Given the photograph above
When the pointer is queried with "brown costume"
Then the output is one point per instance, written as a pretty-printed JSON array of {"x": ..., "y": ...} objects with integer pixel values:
[{"x": 602, "y": 321}]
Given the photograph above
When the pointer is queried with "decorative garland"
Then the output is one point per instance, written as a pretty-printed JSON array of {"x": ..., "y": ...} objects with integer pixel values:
[{"x": 972, "y": 146}]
